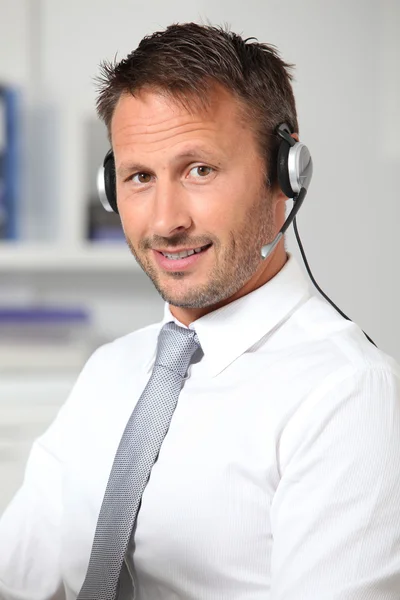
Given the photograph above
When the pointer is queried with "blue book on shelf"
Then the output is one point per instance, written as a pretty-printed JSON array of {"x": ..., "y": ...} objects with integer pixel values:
[
  {"x": 43, "y": 315},
  {"x": 3, "y": 214},
  {"x": 9, "y": 162}
]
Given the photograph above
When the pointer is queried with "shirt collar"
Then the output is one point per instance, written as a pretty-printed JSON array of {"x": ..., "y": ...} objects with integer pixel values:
[{"x": 229, "y": 331}]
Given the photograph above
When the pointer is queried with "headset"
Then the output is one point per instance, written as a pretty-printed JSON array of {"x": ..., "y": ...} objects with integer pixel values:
[{"x": 294, "y": 173}]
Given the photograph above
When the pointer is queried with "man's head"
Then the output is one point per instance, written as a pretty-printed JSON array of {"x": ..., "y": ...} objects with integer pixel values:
[{"x": 191, "y": 115}]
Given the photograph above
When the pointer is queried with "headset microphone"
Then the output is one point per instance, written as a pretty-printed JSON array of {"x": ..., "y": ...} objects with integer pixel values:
[{"x": 294, "y": 172}]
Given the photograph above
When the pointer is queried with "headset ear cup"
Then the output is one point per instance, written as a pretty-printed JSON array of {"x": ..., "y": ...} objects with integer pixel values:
[
  {"x": 110, "y": 182},
  {"x": 283, "y": 169}
]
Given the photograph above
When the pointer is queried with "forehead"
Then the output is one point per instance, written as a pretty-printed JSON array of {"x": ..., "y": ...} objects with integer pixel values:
[{"x": 155, "y": 117}]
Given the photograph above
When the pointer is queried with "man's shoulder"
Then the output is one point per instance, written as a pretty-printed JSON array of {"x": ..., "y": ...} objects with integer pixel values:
[
  {"x": 341, "y": 379},
  {"x": 329, "y": 333},
  {"x": 133, "y": 349},
  {"x": 136, "y": 340}
]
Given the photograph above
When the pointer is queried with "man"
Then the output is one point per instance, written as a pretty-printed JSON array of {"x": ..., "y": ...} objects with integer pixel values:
[{"x": 278, "y": 476}]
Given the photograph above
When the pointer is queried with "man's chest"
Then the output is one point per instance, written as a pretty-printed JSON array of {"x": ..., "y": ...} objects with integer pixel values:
[{"x": 207, "y": 502}]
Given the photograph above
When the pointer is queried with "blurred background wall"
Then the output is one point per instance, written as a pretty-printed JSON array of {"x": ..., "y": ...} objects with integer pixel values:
[{"x": 67, "y": 281}]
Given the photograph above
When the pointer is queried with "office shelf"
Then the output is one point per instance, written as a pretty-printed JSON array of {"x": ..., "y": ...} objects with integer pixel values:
[{"x": 21, "y": 257}]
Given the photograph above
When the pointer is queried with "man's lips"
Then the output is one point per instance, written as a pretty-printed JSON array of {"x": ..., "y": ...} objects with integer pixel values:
[
  {"x": 179, "y": 264},
  {"x": 178, "y": 250}
]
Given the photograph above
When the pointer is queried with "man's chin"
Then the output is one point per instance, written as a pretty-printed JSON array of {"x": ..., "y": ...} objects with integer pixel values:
[
  {"x": 183, "y": 301},
  {"x": 189, "y": 290},
  {"x": 191, "y": 300}
]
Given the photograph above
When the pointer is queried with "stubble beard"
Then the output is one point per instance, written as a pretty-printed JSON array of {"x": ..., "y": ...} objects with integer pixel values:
[{"x": 234, "y": 267}]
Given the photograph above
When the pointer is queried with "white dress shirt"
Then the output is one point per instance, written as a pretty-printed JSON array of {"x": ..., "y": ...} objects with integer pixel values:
[{"x": 279, "y": 478}]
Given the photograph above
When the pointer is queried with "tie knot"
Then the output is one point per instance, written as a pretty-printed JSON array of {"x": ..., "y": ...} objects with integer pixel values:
[{"x": 176, "y": 347}]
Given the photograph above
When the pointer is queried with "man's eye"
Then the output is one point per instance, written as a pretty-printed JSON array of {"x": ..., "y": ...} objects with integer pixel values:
[
  {"x": 141, "y": 178},
  {"x": 200, "y": 171}
]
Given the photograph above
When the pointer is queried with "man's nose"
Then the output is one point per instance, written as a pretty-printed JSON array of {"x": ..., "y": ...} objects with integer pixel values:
[{"x": 170, "y": 209}]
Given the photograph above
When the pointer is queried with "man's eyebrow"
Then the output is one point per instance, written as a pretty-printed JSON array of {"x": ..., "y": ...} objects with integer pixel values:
[
  {"x": 126, "y": 168},
  {"x": 195, "y": 152}
]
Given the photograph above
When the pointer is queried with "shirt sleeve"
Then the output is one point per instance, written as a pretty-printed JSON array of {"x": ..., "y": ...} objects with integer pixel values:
[
  {"x": 31, "y": 526},
  {"x": 30, "y": 533},
  {"x": 335, "y": 515}
]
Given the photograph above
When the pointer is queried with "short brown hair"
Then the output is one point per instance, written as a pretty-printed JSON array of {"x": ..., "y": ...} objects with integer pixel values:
[{"x": 187, "y": 60}]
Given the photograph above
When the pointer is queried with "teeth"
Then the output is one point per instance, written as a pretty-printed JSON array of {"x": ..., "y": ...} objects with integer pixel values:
[{"x": 183, "y": 254}]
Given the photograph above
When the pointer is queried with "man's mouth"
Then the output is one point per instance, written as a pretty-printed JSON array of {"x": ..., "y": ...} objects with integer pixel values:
[{"x": 184, "y": 253}]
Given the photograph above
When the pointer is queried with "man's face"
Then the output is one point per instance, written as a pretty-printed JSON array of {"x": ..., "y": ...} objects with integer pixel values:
[{"x": 191, "y": 181}]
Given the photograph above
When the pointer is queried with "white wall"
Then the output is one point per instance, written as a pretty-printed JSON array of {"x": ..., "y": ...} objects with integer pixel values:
[{"x": 13, "y": 40}]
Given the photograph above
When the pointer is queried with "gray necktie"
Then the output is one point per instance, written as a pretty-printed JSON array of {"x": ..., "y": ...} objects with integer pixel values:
[{"x": 136, "y": 454}]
